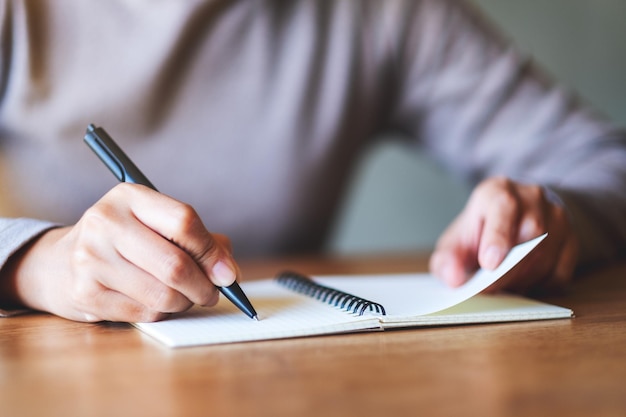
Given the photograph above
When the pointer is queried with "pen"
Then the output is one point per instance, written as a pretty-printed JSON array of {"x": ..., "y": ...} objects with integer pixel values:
[{"x": 126, "y": 171}]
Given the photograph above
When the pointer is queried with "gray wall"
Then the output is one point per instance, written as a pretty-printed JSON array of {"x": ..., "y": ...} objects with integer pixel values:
[{"x": 402, "y": 202}]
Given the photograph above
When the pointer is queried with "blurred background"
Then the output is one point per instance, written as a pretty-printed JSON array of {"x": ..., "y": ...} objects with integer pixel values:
[{"x": 402, "y": 202}]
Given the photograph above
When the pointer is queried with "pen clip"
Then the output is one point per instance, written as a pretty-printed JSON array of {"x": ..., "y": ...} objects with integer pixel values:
[
  {"x": 113, "y": 157},
  {"x": 102, "y": 151}
]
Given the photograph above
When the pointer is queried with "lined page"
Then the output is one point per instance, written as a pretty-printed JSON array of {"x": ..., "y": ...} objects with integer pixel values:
[{"x": 282, "y": 313}]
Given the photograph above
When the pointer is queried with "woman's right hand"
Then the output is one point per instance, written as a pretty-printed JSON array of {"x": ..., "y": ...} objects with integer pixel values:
[{"x": 136, "y": 255}]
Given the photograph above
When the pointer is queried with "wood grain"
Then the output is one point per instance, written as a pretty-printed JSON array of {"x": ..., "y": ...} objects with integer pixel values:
[{"x": 50, "y": 366}]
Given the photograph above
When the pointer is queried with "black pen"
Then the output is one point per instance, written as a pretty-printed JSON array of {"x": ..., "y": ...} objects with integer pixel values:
[{"x": 126, "y": 171}]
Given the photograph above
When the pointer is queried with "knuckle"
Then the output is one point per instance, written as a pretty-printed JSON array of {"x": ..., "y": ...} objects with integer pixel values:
[
  {"x": 498, "y": 182},
  {"x": 122, "y": 190},
  {"x": 535, "y": 192},
  {"x": 97, "y": 220},
  {"x": 492, "y": 189},
  {"x": 501, "y": 181},
  {"x": 184, "y": 217},
  {"x": 174, "y": 268},
  {"x": 95, "y": 215},
  {"x": 504, "y": 200},
  {"x": 82, "y": 256}
]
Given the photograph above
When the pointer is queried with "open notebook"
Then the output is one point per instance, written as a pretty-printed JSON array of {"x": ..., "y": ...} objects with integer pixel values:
[{"x": 295, "y": 306}]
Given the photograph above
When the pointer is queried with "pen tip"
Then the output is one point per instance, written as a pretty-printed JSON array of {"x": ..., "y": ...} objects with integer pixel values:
[{"x": 256, "y": 318}]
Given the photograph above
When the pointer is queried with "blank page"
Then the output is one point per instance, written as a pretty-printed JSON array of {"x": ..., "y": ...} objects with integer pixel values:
[{"x": 420, "y": 294}]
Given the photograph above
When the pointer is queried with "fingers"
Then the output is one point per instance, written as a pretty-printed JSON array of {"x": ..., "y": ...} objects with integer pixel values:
[
  {"x": 481, "y": 236},
  {"x": 146, "y": 255},
  {"x": 137, "y": 297},
  {"x": 135, "y": 255},
  {"x": 500, "y": 214},
  {"x": 497, "y": 207},
  {"x": 180, "y": 224},
  {"x": 144, "y": 288},
  {"x": 165, "y": 263},
  {"x": 455, "y": 256},
  {"x": 110, "y": 305}
]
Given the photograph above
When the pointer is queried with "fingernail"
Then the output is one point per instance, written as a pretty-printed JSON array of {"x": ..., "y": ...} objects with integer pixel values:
[
  {"x": 492, "y": 257},
  {"x": 222, "y": 274}
]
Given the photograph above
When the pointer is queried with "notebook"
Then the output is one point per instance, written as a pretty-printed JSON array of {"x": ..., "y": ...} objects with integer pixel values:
[{"x": 293, "y": 305}]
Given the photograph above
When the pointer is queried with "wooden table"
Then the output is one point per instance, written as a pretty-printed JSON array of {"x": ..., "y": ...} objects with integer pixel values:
[{"x": 54, "y": 367}]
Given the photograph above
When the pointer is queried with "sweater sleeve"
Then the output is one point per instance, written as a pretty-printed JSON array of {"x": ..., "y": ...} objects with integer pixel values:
[
  {"x": 15, "y": 233},
  {"x": 482, "y": 108}
]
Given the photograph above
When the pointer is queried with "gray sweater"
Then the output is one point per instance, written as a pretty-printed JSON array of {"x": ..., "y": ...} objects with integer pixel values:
[{"x": 256, "y": 112}]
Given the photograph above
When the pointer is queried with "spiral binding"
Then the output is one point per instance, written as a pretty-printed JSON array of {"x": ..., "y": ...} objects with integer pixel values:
[{"x": 305, "y": 285}]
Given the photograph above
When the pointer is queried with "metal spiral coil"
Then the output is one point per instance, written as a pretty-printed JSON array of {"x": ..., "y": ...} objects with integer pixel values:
[{"x": 305, "y": 285}]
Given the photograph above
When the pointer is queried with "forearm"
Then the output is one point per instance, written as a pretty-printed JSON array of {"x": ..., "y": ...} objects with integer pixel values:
[{"x": 482, "y": 107}]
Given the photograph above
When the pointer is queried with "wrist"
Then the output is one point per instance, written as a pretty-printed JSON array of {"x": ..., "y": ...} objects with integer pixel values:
[
  {"x": 23, "y": 275},
  {"x": 9, "y": 299}
]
